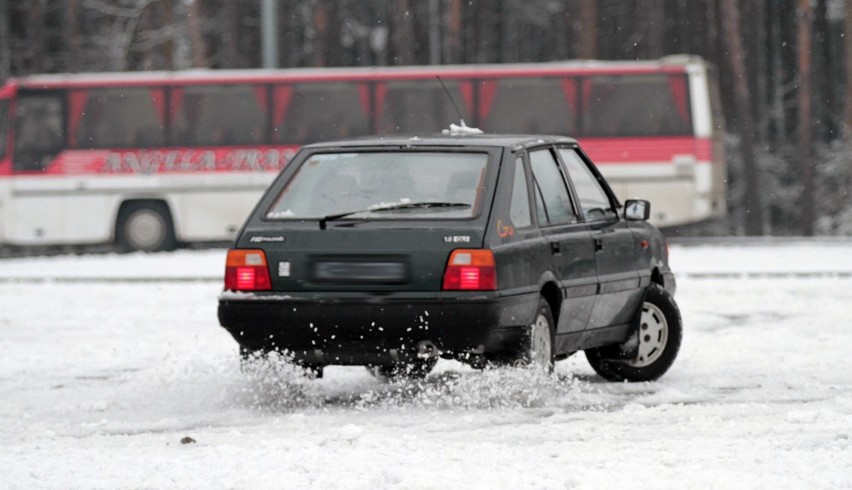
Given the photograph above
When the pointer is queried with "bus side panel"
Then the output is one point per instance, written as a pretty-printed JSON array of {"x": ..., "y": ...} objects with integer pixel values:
[
  {"x": 36, "y": 216},
  {"x": 213, "y": 207},
  {"x": 48, "y": 212},
  {"x": 87, "y": 218}
]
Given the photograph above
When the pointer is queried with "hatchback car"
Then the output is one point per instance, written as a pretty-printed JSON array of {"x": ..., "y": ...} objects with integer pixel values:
[{"x": 393, "y": 252}]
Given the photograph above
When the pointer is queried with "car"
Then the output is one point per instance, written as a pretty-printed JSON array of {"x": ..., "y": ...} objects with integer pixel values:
[{"x": 489, "y": 249}]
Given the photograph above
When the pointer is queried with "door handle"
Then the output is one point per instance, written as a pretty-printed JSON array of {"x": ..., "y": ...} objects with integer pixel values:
[
  {"x": 554, "y": 248},
  {"x": 598, "y": 244}
]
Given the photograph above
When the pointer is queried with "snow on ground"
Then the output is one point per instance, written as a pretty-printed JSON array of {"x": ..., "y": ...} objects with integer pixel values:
[{"x": 101, "y": 379}]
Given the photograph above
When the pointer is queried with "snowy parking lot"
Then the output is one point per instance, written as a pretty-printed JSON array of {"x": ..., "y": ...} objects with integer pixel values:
[{"x": 115, "y": 374}]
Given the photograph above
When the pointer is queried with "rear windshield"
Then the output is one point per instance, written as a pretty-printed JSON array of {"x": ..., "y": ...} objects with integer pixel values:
[{"x": 384, "y": 185}]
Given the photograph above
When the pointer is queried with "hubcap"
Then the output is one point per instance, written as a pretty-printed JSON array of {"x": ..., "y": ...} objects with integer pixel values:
[
  {"x": 146, "y": 230},
  {"x": 653, "y": 335},
  {"x": 540, "y": 346}
]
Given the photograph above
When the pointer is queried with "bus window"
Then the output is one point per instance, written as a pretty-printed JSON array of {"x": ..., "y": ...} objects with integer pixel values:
[
  {"x": 4, "y": 127},
  {"x": 123, "y": 117},
  {"x": 39, "y": 130},
  {"x": 636, "y": 105},
  {"x": 410, "y": 106},
  {"x": 309, "y": 112},
  {"x": 211, "y": 115},
  {"x": 528, "y": 105}
]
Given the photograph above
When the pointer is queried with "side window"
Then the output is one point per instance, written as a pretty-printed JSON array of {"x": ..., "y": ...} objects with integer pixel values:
[
  {"x": 520, "y": 208},
  {"x": 308, "y": 112},
  {"x": 39, "y": 130},
  {"x": 593, "y": 200},
  {"x": 553, "y": 205},
  {"x": 408, "y": 106},
  {"x": 117, "y": 118},
  {"x": 504, "y": 105},
  {"x": 219, "y": 115},
  {"x": 636, "y": 105}
]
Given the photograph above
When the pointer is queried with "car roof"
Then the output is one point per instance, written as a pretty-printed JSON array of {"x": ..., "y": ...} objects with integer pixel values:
[{"x": 514, "y": 142}]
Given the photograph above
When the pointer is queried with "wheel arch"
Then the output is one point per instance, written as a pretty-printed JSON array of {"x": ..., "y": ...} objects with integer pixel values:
[
  {"x": 553, "y": 295},
  {"x": 657, "y": 277}
]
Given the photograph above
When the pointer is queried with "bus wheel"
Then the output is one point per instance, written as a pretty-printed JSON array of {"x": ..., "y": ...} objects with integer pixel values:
[{"x": 146, "y": 227}]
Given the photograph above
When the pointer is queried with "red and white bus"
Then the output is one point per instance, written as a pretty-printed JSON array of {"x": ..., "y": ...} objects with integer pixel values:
[{"x": 148, "y": 160}]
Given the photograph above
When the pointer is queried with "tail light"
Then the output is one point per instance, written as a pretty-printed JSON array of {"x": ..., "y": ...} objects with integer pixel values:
[
  {"x": 246, "y": 270},
  {"x": 470, "y": 270}
]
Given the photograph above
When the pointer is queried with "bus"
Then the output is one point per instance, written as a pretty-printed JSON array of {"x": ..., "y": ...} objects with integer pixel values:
[{"x": 151, "y": 160}]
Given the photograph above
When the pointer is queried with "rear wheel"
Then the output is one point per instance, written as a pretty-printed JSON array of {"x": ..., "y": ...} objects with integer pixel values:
[
  {"x": 659, "y": 335},
  {"x": 537, "y": 347},
  {"x": 145, "y": 226}
]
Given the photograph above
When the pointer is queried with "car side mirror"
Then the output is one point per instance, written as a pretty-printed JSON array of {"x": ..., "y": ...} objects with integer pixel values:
[{"x": 637, "y": 210}]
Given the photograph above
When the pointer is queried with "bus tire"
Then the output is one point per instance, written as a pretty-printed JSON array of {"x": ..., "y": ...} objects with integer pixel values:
[{"x": 145, "y": 226}]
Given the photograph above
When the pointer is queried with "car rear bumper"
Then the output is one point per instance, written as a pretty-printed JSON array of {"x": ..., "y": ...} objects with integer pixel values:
[{"x": 329, "y": 329}]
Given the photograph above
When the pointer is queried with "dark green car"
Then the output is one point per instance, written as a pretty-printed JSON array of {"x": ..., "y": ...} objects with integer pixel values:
[{"x": 393, "y": 252}]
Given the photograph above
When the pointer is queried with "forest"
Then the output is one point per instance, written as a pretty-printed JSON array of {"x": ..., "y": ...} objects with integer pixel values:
[{"x": 785, "y": 66}]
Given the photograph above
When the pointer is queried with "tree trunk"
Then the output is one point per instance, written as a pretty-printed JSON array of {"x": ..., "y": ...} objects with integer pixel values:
[
  {"x": 752, "y": 203},
  {"x": 453, "y": 45},
  {"x": 196, "y": 37},
  {"x": 231, "y": 36},
  {"x": 5, "y": 50},
  {"x": 847, "y": 117},
  {"x": 320, "y": 19},
  {"x": 402, "y": 34},
  {"x": 586, "y": 31},
  {"x": 72, "y": 35},
  {"x": 803, "y": 43},
  {"x": 653, "y": 17},
  {"x": 36, "y": 31}
]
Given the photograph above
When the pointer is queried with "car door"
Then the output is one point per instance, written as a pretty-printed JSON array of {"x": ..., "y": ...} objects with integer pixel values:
[
  {"x": 570, "y": 241},
  {"x": 616, "y": 255}
]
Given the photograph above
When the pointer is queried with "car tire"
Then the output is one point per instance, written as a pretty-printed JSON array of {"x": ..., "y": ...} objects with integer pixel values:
[
  {"x": 659, "y": 337},
  {"x": 537, "y": 346},
  {"x": 417, "y": 369},
  {"x": 145, "y": 227}
]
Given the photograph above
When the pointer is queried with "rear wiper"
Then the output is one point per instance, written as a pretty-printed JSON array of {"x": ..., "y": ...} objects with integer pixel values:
[{"x": 392, "y": 207}]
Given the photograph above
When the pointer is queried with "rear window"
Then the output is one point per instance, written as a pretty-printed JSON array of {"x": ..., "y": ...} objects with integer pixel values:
[{"x": 385, "y": 185}]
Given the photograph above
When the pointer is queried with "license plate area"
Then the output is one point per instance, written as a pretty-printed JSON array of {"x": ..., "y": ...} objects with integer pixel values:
[{"x": 360, "y": 270}]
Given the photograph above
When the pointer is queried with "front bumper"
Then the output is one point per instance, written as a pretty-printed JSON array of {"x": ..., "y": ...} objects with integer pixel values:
[{"x": 376, "y": 329}]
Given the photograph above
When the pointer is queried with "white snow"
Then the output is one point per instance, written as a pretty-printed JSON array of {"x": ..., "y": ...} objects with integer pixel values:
[{"x": 109, "y": 361}]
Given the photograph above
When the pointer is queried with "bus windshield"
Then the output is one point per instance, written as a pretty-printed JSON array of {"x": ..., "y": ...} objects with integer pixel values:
[{"x": 4, "y": 127}]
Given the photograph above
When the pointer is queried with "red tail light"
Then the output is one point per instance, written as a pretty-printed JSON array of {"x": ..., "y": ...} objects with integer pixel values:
[
  {"x": 470, "y": 270},
  {"x": 246, "y": 270}
]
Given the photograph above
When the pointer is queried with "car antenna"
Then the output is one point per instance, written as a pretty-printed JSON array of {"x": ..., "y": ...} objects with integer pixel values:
[{"x": 462, "y": 128}]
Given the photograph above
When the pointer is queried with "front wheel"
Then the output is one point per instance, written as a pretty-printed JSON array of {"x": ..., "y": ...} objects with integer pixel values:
[{"x": 659, "y": 336}]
